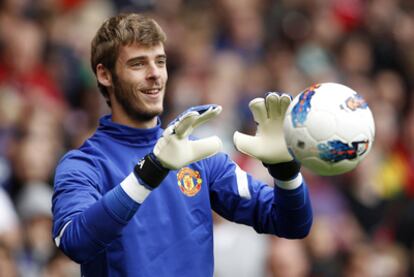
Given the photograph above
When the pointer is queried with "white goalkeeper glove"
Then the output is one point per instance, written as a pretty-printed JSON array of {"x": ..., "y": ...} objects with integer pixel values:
[
  {"x": 174, "y": 150},
  {"x": 268, "y": 145}
]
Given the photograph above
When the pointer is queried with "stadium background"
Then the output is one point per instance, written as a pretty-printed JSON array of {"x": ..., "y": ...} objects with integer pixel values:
[{"x": 225, "y": 52}]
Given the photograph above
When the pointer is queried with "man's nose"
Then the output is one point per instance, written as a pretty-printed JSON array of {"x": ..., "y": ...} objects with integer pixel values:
[{"x": 153, "y": 72}]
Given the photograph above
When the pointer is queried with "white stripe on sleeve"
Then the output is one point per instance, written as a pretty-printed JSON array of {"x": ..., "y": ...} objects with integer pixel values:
[
  {"x": 291, "y": 184},
  {"x": 59, "y": 237},
  {"x": 134, "y": 189},
  {"x": 242, "y": 183}
]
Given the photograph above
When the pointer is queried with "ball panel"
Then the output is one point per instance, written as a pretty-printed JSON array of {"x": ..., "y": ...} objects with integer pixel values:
[
  {"x": 301, "y": 143},
  {"x": 321, "y": 125},
  {"x": 327, "y": 169}
]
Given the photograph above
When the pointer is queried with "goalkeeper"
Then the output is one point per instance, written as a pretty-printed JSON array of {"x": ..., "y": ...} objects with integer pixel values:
[{"x": 136, "y": 200}]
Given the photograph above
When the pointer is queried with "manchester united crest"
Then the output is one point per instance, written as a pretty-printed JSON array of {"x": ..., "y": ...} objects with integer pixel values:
[{"x": 189, "y": 181}]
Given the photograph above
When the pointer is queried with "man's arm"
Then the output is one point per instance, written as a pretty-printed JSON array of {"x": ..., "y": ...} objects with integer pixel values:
[
  {"x": 239, "y": 197},
  {"x": 286, "y": 209},
  {"x": 85, "y": 221}
]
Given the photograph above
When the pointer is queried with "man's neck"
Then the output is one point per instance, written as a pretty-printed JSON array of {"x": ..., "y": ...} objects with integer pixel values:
[{"x": 124, "y": 119}]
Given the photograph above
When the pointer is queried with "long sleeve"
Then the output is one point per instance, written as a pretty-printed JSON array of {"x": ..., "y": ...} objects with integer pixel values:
[
  {"x": 238, "y": 197},
  {"x": 86, "y": 220}
]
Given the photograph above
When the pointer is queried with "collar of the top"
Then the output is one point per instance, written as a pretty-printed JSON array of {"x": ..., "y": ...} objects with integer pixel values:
[{"x": 128, "y": 134}]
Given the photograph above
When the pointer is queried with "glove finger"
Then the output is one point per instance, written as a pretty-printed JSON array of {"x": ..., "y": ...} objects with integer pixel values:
[
  {"x": 212, "y": 112},
  {"x": 201, "y": 108},
  {"x": 183, "y": 127},
  {"x": 258, "y": 108},
  {"x": 285, "y": 100},
  {"x": 272, "y": 101},
  {"x": 206, "y": 147},
  {"x": 169, "y": 131},
  {"x": 245, "y": 143}
]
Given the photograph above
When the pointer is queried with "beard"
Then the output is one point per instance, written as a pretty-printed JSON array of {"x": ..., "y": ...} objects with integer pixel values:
[{"x": 125, "y": 94}]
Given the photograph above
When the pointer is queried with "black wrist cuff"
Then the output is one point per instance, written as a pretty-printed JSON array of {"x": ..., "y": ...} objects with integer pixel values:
[
  {"x": 150, "y": 171},
  {"x": 284, "y": 171}
]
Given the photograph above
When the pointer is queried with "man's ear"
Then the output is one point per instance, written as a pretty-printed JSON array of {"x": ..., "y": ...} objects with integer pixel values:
[{"x": 103, "y": 75}]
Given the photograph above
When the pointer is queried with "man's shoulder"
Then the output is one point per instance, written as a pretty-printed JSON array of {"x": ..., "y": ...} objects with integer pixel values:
[
  {"x": 86, "y": 154},
  {"x": 76, "y": 158},
  {"x": 78, "y": 164},
  {"x": 91, "y": 148}
]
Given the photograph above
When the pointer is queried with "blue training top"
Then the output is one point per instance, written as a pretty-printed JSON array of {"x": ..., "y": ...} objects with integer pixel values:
[{"x": 98, "y": 225}]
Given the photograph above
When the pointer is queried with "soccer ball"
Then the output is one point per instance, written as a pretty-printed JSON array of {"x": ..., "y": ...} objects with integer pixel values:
[{"x": 329, "y": 128}]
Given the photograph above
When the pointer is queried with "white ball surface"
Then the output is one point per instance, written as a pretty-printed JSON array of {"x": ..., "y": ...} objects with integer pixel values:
[{"x": 329, "y": 128}]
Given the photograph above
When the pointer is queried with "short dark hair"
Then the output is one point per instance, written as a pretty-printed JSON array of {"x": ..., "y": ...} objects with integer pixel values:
[{"x": 119, "y": 30}]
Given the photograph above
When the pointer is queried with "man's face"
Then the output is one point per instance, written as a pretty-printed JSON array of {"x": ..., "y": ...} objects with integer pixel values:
[{"x": 139, "y": 80}]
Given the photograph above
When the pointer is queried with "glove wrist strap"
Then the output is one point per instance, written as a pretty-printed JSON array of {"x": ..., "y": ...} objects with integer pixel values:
[
  {"x": 150, "y": 171},
  {"x": 284, "y": 171}
]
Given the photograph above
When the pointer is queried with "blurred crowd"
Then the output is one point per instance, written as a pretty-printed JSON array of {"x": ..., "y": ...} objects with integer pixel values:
[{"x": 225, "y": 52}]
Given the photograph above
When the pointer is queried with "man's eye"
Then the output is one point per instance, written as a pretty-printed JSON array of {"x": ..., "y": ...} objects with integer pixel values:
[
  {"x": 161, "y": 62},
  {"x": 137, "y": 64}
]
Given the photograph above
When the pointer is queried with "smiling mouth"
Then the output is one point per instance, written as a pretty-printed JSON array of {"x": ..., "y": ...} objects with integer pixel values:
[{"x": 152, "y": 91}]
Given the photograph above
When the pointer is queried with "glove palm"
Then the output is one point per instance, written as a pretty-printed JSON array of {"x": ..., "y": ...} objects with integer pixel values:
[
  {"x": 268, "y": 145},
  {"x": 174, "y": 150}
]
